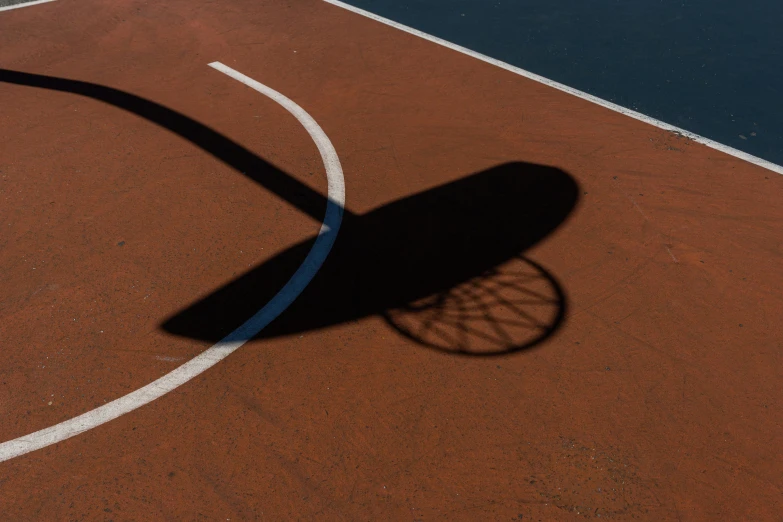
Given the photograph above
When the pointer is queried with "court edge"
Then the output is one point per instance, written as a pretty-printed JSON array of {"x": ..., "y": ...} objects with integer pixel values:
[
  {"x": 25, "y": 4},
  {"x": 565, "y": 88}
]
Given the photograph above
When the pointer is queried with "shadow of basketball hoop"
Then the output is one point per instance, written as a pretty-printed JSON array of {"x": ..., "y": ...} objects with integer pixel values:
[
  {"x": 506, "y": 309},
  {"x": 444, "y": 267}
]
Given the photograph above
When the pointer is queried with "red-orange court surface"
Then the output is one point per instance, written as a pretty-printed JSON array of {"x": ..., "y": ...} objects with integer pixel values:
[{"x": 271, "y": 260}]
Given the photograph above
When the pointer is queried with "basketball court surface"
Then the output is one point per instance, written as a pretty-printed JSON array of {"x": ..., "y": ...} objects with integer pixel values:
[{"x": 270, "y": 260}]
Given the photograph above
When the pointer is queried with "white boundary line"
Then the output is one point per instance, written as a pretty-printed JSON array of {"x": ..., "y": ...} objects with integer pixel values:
[
  {"x": 570, "y": 90},
  {"x": 26, "y": 4},
  {"x": 202, "y": 362}
]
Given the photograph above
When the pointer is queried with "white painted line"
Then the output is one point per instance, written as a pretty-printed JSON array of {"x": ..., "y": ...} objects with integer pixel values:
[
  {"x": 26, "y": 4},
  {"x": 570, "y": 90},
  {"x": 202, "y": 362}
]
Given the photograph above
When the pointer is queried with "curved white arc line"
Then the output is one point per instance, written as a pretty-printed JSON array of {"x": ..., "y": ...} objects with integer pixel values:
[{"x": 213, "y": 355}]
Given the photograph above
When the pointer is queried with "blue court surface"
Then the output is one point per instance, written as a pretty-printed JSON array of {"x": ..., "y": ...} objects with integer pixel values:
[{"x": 712, "y": 67}]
